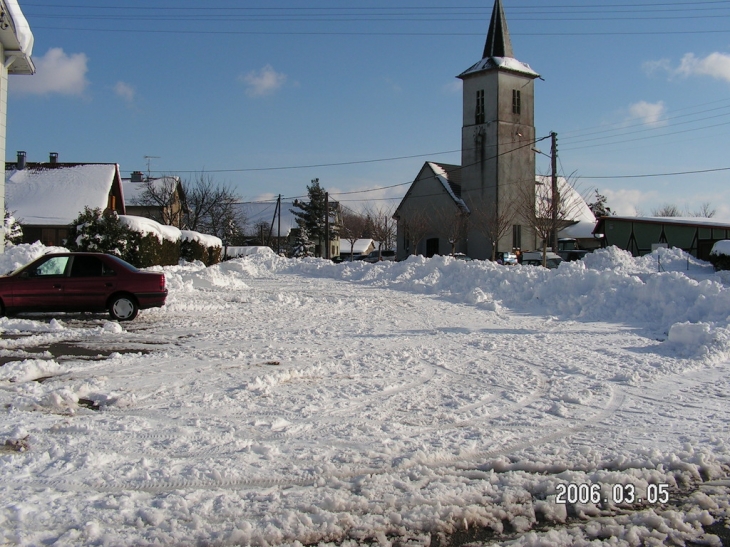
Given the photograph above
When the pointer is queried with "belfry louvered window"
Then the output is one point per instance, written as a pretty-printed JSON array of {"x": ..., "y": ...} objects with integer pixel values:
[
  {"x": 516, "y": 101},
  {"x": 480, "y": 107}
]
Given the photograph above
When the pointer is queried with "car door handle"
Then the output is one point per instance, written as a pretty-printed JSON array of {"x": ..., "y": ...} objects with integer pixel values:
[
  {"x": 59, "y": 287},
  {"x": 108, "y": 284}
]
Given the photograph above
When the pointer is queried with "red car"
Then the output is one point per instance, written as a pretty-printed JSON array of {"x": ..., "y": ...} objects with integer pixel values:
[{"x": 81, "y": 282}]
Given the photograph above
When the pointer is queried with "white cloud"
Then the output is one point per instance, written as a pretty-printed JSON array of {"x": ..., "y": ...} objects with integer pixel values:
[
  {"x": 260, "y": 83},
  {"x": 715, "y": 65},
  {"x": 56, "y": 72},
  {"x": 649, "y": 113},
  {"x": 629, "y": 202},
  {"x": 125, "y": 91}
]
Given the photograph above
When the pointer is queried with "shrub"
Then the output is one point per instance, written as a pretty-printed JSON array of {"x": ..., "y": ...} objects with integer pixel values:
[
  {"x": 720, "y": 261},
  {"x": 101, "y": 232}
]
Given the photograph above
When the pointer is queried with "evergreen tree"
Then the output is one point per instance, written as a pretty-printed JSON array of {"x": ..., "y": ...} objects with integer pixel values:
[
  {"x": 598, "y": 207},
  {"x": 311, "y": 215},
  {"x": 13, "y": 230}
]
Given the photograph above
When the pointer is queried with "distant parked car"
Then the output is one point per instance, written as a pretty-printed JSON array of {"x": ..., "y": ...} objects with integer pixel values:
[
  {"x": 534, "y": 258},
  {"x": 507, "y": 258},
  {"x": 81, "y": 282},
  {"x": 377, "y": 256},
  {"x": 573, "y": 254},
  {"x": 461, "y": 256}
]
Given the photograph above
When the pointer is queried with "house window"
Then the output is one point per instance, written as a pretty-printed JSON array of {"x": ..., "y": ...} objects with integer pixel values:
[
  {"x": 112, "y": 203},
  {"x": 516, "y": 101},
  {"x": 480, "y": 107},
  {"x": 517, "y": 236}
]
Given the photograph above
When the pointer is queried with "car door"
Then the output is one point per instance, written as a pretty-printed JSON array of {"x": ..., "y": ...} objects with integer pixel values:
[
  {"x": 40, "y": 288},
  {"x": 89, "y": 284}
]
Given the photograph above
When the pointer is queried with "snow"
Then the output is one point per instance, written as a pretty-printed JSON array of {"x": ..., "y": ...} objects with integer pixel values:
[
  {"x": 576, "y": 207},
  {"x": 721, "y": 248},
  {"x": 275, "y": 401},
  {"x": 134, "y": 191},
  {"x": 506, "y": 63},
  {"x": 443, "y": 178},
  {"x": 146, "y": 226},
  {"x": 58, "y": 195},
  {"x": 22, "y": 28},
  {"x": 360, "y": 246},
  {"x": 204, "y": 239}
]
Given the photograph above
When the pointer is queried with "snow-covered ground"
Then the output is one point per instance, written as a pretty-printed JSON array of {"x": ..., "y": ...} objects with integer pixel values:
[{"x": 276, "y": 401}]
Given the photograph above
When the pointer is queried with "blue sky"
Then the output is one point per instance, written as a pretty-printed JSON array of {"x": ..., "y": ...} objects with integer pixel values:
[{"x": 265, "y": 96}]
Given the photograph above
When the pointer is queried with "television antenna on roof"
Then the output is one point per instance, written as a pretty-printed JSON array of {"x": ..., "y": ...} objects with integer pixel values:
[{"x": 149, "y": 160}]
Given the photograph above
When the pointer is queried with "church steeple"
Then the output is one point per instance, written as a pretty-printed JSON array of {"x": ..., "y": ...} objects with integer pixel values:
[{"x": 498, "y": 42}]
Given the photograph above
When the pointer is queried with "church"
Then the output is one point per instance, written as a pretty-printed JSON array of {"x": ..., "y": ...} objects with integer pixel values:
[{"x": 455, "y": 208}]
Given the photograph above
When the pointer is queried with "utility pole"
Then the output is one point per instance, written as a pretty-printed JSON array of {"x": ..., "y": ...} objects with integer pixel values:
[
  {"x": 278, "y": 231},
  {"x": 327, "y": 225},
  {"x": 555, "y": 191}
]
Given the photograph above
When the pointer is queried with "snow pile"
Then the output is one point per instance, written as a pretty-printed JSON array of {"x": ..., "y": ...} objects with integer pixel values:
[{"x": 16, "y": 256}]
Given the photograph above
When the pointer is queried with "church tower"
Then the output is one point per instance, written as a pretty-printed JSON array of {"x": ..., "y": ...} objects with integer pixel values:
[{"x": 497, "y": 137}]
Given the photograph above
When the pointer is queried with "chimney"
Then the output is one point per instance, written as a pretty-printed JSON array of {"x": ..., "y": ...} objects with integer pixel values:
[
  {"x": 137, "y": 176},
  {"x": 21, "y": 160},
  {"x": 53, "y": 160}
]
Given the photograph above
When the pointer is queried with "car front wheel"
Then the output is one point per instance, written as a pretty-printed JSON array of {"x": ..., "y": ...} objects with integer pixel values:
[{"x": 123, "y": 308}]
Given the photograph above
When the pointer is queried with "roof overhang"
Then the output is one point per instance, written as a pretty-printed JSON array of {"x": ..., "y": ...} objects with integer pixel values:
[{"x": 16, "y": 39}]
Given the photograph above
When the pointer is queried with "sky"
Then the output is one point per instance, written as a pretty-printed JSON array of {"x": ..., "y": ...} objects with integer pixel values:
[{"x": 267, "y": 97}]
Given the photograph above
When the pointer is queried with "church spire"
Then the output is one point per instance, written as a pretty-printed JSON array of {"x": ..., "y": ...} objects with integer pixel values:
[{"x": 498, "y": 41}]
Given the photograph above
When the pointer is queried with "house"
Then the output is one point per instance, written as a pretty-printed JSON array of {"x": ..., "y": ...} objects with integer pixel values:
[
  {"x": 361, "y": 247},
  {"x": 437, "y": 215},
  {"x": 161, "y": 199},
  {"x": 641, "y": 235},
  {"x": 16, "y": 48},
  {"x": 46, "y": 197}
]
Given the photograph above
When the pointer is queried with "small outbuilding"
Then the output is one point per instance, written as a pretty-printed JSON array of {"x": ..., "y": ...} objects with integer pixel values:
[{"x": 641, "y": 235}]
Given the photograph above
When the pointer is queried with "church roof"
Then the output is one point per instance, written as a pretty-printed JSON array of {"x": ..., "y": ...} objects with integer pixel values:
[
  {"x": 498, "y": 42},
  {"x": 498, "y": 53}
]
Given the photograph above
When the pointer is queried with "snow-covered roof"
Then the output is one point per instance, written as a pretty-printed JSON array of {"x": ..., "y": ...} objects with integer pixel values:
[
  {"x": 56, "y": 196},
  {"x": 148, "y": 226},
  {"x": 576, "y": 207},
  {"x": 133, "y": 190},
  {"x": 361, "y": 246},
  {"x": 502, "y": 63},
  {"x": 255, "y": 213},
  {"x": 18, "y": 40},
  {"x": 443, "y": 176},
  {"x": 709, "y": 222}
]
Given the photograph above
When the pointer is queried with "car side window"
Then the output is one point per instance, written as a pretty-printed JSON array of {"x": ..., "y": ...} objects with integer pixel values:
[
  {"x": 87, "y": 266},
  {"x": 53, "y": 266}
]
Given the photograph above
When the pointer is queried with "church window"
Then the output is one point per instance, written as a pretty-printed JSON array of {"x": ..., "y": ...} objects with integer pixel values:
[
  {"x": 480, "y": 107},
  {"x": 516, "y": 101},
  {"x": 516, "y": 236}
]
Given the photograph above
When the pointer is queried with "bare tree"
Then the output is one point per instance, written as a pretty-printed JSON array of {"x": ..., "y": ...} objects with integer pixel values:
[
  {"x": 706, "y": 210},
  {"x": 162, "y": 196},
  {"x": 352, "y": 229},
  {"x": 667, "y": 210},
  {"x": 453, "y": 225},
  {"x": 545, "y": 212},
  {"x": 383, "y": 226},
  {"x": 211, "y": 207},
  {"x": 492, "y": 222},
  {"x": 416, "y": 225}
]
